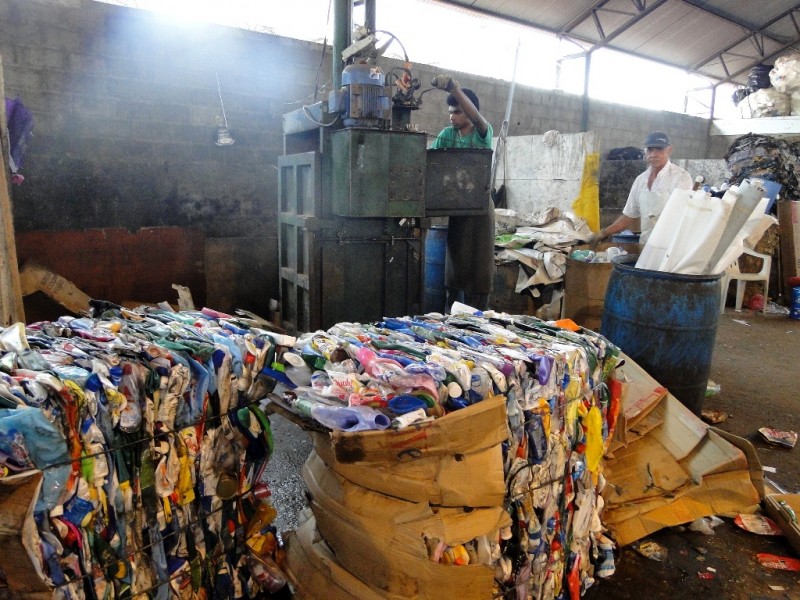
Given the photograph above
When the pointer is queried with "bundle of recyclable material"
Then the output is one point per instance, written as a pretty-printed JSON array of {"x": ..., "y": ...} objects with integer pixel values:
[
  {"x": 764, "y": 157},
  {"x": 132, "y": 447},
  {"x": 455, "y": 455},
  {"x": 539, "y": 244}
]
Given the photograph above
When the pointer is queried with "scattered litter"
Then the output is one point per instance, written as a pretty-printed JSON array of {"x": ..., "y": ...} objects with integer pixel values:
[
  {"x": 776, "y": 309},
  {"x": 711, "y": 569},
  {"x": 706, "y": 575},
  {"x": 758, "y": 524},
  {"x": 712, "y": 416},
  {"x": 700, "y": 550},
  {"x": 756, "y": 302},
  {"x": 787, "y": 439},
  {"x": 741, "y": 322},
  {"x": 652, "y": 550},
  {"x": 712, "y": 388},
  {"x": 705, "y": 525},
  {"x": 768, "y": 469},
  {"x": 785, "y": 563},
  {"x": 777, "y": 588}
]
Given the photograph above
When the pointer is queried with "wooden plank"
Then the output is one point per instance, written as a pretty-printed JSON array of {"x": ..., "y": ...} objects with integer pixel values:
[{"x": 11, "y": 310}]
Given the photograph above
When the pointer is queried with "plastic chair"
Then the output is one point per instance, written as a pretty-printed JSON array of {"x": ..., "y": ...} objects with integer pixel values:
[{"x": 733, "y": 272}]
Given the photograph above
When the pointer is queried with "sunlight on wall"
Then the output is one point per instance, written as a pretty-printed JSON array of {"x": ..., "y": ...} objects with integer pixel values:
[{"x": 459, "y": 40}]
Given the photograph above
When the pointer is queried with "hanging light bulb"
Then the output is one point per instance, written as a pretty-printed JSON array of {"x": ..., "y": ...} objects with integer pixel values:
[{"x": 223, "y": 137}]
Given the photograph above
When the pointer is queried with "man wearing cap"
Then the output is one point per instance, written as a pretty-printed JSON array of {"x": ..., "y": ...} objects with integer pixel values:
[{"x": 650, "y": 190}]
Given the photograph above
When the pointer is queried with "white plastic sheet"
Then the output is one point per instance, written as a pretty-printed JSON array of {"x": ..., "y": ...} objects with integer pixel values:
[
  {"x": 686, "y": 234},
  {"x": 699, "y": 234}
]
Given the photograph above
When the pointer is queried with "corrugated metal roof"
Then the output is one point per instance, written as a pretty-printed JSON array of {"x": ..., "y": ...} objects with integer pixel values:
[{"x": 719, "y": 39}]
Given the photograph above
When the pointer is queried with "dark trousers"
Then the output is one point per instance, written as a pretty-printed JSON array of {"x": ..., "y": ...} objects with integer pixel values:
[{"x": 479, "y": 301}]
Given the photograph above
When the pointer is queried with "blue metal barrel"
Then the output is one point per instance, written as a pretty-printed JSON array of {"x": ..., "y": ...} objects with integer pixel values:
[
  {"x": 667, "y": 323},
  {"x": 435, "y": 252}
]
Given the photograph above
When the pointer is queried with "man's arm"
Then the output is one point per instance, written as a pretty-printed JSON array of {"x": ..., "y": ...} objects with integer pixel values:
[
  {"x": 622, "y": 223},
  {"x": 481, "y": 124},
  {"x": 450, "y": 85}
]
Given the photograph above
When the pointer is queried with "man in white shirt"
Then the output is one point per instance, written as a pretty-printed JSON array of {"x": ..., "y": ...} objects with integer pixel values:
[{"x": 650, "y": 190}]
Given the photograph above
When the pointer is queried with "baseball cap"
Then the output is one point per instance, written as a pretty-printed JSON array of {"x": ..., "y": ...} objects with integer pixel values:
[{"x": 657, "y": 139}]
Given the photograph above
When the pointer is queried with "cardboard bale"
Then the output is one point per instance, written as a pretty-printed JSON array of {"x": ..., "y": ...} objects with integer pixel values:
[
  {"x": 381, "y": 540},
  {"x": 313, "y": 571},
  {"x": 789, "y": 231},
  {"x": 18, "y": 495}
]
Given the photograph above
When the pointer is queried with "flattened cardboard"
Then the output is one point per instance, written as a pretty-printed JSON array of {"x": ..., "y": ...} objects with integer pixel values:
[
  {"x": 447, "y": 480},
  {"x": 753, "y": 462},
  {"x": 721, "y": 494},
  {"x": 791, "y": 529},
  {"x": 380, "y": 540},
  {"x": 18, "y": 495},
  {"x": 313, "y": 571},
  {"x": 714, "y": 455},
  {"x": 676, "y": 472},
  {"x": 477, "y": 427},
  {"x": 643, "y": 470}
]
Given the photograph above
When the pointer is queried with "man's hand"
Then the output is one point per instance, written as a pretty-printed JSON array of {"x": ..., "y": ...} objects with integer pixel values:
[
  {"x": 596, "y": 238},
  {"x": 444, "y": 82}
]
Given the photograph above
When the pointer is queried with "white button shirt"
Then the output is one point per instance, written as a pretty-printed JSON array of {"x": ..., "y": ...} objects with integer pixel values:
[{"x": 647, "y": 205}]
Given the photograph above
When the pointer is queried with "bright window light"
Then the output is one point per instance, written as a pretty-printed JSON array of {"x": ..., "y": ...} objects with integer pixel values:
[{"x": 484, "y": 46}]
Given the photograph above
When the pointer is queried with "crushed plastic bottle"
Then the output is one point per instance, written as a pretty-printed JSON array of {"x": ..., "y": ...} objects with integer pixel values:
[{"x": 583, "y": 255}]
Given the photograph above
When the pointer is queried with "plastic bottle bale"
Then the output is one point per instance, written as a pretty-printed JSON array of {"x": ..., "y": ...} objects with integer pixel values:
[{"x": 667, "y": 323}]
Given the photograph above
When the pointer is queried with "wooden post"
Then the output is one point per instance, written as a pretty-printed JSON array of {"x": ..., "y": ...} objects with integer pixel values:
[{"x": 11, "y": 308}]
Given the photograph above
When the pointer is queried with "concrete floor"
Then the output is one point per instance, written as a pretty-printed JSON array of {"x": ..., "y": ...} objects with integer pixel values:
[{"x": 755, "y": 361}]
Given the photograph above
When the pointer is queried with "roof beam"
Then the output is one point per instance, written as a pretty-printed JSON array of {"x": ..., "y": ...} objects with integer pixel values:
[
  {"x": 750, "y": 35},
  {"x": 641, "y": 11},
  {"x": 734, "y": 75}
]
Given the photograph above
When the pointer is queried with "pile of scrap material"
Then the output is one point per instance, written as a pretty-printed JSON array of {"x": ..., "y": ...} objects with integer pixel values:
[
  {"x": 765, "y": 157},
  {"x": 488, "y": 487},
  {"x": 539, "y": 243},
  {"x": 131, "y": 453}
]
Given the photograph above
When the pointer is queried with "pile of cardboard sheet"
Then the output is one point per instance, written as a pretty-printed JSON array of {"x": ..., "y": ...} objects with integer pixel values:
[{"x": 666, "y": 467}]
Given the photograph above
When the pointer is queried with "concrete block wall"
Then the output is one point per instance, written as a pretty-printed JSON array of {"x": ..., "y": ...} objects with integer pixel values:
[{"x": 125, "y": 102}]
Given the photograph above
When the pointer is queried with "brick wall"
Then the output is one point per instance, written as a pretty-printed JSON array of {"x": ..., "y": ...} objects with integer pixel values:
[{"x": 125, "y": 102}]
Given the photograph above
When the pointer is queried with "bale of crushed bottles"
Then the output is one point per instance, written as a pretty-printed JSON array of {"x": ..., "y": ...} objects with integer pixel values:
[
  {"x": 147, "y": 430},
  {"x": 765, "y": 157},
  {"x": 482, "y": 479}
]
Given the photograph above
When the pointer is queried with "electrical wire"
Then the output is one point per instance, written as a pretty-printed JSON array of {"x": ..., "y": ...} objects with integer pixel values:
[
  {"x": 311, "y": 118},
  {"x": 219, "y": 91}
]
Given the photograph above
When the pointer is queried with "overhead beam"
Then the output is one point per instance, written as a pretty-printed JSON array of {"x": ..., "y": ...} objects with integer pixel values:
[{"x": 751, "y": 33}]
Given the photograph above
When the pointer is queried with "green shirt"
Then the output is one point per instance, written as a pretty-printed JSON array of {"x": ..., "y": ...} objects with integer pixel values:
[{"x": 450, "y": 138}]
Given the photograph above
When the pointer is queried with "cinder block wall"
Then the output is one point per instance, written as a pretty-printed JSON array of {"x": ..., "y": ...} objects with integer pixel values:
[{"x": 125, "y": 102}]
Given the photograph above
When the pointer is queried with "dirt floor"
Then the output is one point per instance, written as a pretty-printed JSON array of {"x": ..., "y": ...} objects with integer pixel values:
[{"x": 756, "y": 365}]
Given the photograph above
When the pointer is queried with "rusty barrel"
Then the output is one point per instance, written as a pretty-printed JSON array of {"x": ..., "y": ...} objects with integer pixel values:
[{"x": 667, "y": 323}]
